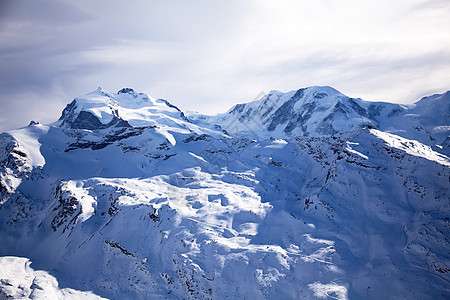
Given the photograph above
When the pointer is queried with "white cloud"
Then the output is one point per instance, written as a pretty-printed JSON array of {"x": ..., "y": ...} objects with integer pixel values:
[
  {"x": 128, "y": 52},
  {"x": 208, "y": 55}
]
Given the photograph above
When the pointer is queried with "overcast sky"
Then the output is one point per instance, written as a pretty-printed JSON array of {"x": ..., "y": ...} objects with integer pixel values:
[{"x": 209, "y": 55}]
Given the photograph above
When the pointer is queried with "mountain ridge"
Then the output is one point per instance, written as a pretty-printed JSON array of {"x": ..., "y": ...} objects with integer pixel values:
[{"x": 324, "y": 111}]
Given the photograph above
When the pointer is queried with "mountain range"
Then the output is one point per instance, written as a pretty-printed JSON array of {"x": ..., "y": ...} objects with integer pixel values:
[{"x": 308, "y": 194}]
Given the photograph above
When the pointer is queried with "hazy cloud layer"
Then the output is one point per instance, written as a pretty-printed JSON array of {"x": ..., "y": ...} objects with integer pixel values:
[{"x": 209, "y": 55}]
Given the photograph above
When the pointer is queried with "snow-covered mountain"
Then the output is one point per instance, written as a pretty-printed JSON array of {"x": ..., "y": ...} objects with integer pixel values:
[
  {"x": 323, "y": 111},
  {"x": 304, "y": 195},
  {"x": 101, "y": 109}
]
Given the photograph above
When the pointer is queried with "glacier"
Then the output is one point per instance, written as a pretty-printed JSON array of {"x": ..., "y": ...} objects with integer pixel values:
[{"x": 308, "y": 194}]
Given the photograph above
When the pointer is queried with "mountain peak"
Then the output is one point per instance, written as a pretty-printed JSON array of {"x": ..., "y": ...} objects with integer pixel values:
[
  {"x": 444, "y": 97},
  {"x": 434, "y": 109},
  {"x": 323, "y": 89},
  {"x": 101, "y": 109},
  {"x": 310, "y": 111},
  {"x": 126, "y": 91}
]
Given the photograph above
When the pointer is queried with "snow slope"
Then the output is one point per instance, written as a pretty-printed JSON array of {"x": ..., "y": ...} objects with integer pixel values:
[
  {"x": 151, "y": 205},
  {"x": 20, "y": 281}
]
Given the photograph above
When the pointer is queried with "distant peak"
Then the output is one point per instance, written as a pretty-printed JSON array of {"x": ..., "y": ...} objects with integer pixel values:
[
  {"x": 33, "y": 123},
  {"x": 126, "y": 91},
  {"x": 323, "y": 90},
  {"x": 443, "y": 98},
  {"x": 323, "y": 87},
  {"x": 99, "y": 91}
]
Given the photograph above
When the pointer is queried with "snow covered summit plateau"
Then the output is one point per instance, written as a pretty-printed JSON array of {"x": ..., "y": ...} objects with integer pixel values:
[
  {"x": 308, "y": 194},
  {"x": 101, "y": 109}
]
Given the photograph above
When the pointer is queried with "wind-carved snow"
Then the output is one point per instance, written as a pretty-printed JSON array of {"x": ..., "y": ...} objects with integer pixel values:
[
  {"x": 201, "y": 222},
  {"x": 277, "y": 144},
  {"x": 412, "y": 147},
  {"x": 350, "y": 149},
  {"x": 86, "y": 201},
  {"x": 330, "y": 290}
]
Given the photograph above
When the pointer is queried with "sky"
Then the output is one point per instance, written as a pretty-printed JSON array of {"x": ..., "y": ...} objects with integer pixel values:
[{"x": 206, "y": 56}]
